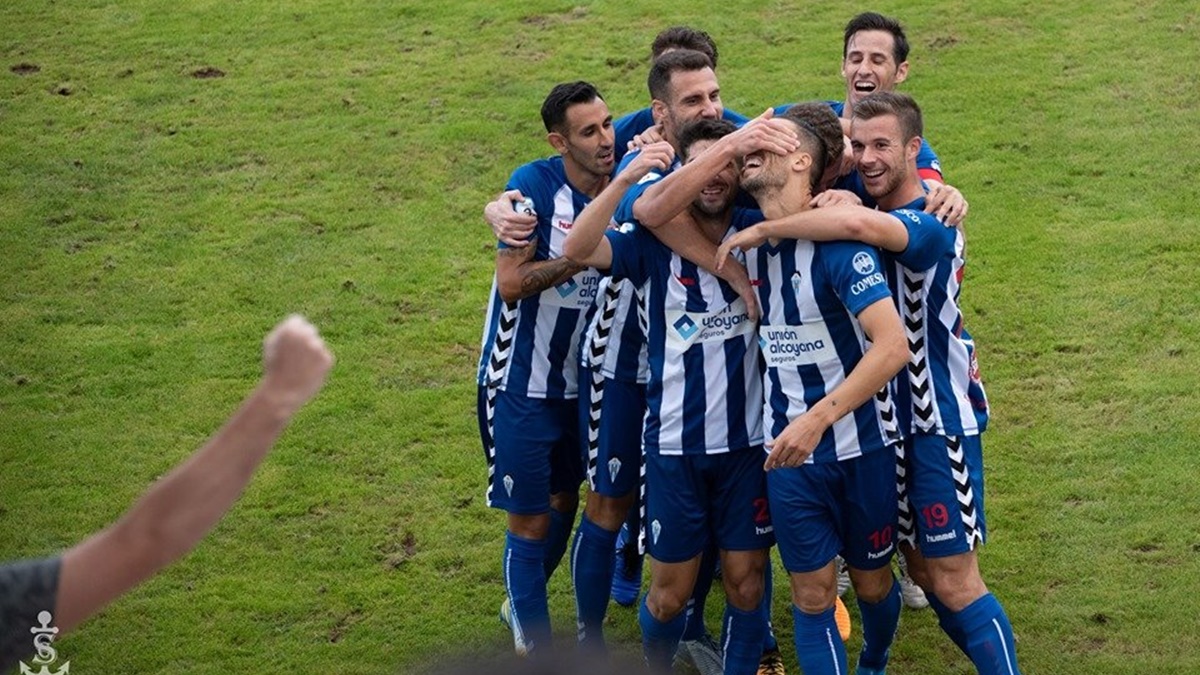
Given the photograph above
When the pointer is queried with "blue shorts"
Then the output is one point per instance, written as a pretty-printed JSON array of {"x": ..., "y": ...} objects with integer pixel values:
[
  {"x": 845, "y": 508},
  {"x": 941, "y": 496},
  {"x": 534, "y": 449},
  {"x": 694, "y": 499},
  {"x": 611, "y": 413}
]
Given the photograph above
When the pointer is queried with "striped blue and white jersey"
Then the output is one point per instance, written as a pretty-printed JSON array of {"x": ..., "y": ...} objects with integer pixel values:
[
  {"x": 530, "y": 346},
  {"x": 941, "y": 391},
  {"x": 811, "y": 339},
  {"x": 613, "y": 341},
  {"x": 705, "y": 389}
]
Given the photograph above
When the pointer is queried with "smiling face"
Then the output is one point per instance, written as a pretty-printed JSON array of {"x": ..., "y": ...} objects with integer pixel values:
[
  {"x": 694, "y": 95},
  {"x": 870, "y": 64},
  {"x": 718, "y": 194},
  {"x": 587, "y": 138},
  {"x": 885, "y": 160},
  {"x": 762, "y": 172}
]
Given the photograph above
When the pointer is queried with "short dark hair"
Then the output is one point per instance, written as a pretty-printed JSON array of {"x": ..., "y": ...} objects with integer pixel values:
[
  {"x": 826, "y": 126},
  {"x": 812, "y": 141},
  {"x": 680, "y": 60},
  {"x": 684, "y": 37},
  {"x": 876, "y": 21},
  {"x": 702, "y": 130},
  {"x": 563, "y": 96},
  {"x": 903, "y": 106}
]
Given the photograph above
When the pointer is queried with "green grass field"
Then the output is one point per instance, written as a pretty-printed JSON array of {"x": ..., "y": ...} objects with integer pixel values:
[{"x": 179, "y": 176}]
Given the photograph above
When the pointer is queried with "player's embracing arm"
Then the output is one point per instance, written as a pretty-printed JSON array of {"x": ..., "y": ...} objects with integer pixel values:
[
  {"x": 914, "y": 240},
  {"x": 586, "y": 245},
  {"x": 519, "y": 276}
]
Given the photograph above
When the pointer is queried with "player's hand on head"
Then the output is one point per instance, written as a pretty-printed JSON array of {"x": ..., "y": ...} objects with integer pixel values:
[
  {"x": 509, "y": 226},
  {"x": 295, "y": 361},
  {"x": 765, "y": 133},
  {"x": 835, "y": 198},
  {"x": 652, "y": 135},
  {"x": 947, "y": 204}
]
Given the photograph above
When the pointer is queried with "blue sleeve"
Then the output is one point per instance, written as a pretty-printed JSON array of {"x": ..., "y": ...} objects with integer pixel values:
[
  {"x": 928, "y": 239},
  {"x": 856, "y": 272},
  {"x": 927, "y": 158},
  {"x": 629, "y": 248},
  {"x": 781, "y": 109},
  {"x": 531, "y": 181},
  {"x": 626, "y": 127}
]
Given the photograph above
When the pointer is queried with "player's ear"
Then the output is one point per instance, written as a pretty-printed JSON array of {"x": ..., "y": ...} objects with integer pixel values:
[
  {"x": 658, "y": 110},
  {"x": 801, "y": 161},
  {"x": 557, "y": 141},
  {"x": 901, "y": 72},
  {"x": 912, "y": 148}
]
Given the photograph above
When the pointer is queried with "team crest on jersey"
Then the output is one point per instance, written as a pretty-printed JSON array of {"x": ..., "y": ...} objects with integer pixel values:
[
  {"x": 567, "y": 287},
  {"x": 686, "y": 327},
  {"x": 863, "y": 264},
  {"x": 508, "y": 485},
  {"x": 614, "y": 467},
  {"x": 655, "y": 530}
]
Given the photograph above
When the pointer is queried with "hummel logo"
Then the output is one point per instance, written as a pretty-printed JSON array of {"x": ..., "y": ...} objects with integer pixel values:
[{"x": 508, "y": 485}]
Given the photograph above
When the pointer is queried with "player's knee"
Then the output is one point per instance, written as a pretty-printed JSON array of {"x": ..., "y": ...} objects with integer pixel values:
[
  {"x": 565, "y": 502},
  {"x": 813, "y": 595},
  {"x": 872, "y": 585},
  {"x": 535, "y": 527},
  {"x": 666, "y": 603},
  {"x": 745, "y": 591},
  {"x": 955, "y": 580},
  {"x": 608, "y": 512}
]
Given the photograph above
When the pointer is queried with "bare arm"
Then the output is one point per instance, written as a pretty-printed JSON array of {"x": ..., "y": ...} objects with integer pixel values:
[
  {"x": 508, "y": 225},
  {"x": 667, "y": 198},
  {"x": 519, "y": 276},
  {"x": 855, "y": 223},
  {"x": 180, "y": 509},
  {"x": 886, "y": 356}
]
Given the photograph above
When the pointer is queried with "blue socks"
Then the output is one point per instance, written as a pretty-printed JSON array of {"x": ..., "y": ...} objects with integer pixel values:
[
  {"x": 557, "y": 538},
  {"x": 770, "y": 644},
  {"x": 592, "y": 564},
  {"x": 695, "y": 606},
  {"x": 525, "y": 581},
  {"x": 660, "y": 639},
  {"x": 989, "y": 637},
  {"x": 879, "y": 621},
  {"x": 948, "y": 620},
  {"x": 742, "y": 640},
  {"x": 819, "y": 647}
]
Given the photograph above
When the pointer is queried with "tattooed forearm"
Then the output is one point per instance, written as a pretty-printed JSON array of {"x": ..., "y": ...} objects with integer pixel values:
[{"x": 537, "y": 277}]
